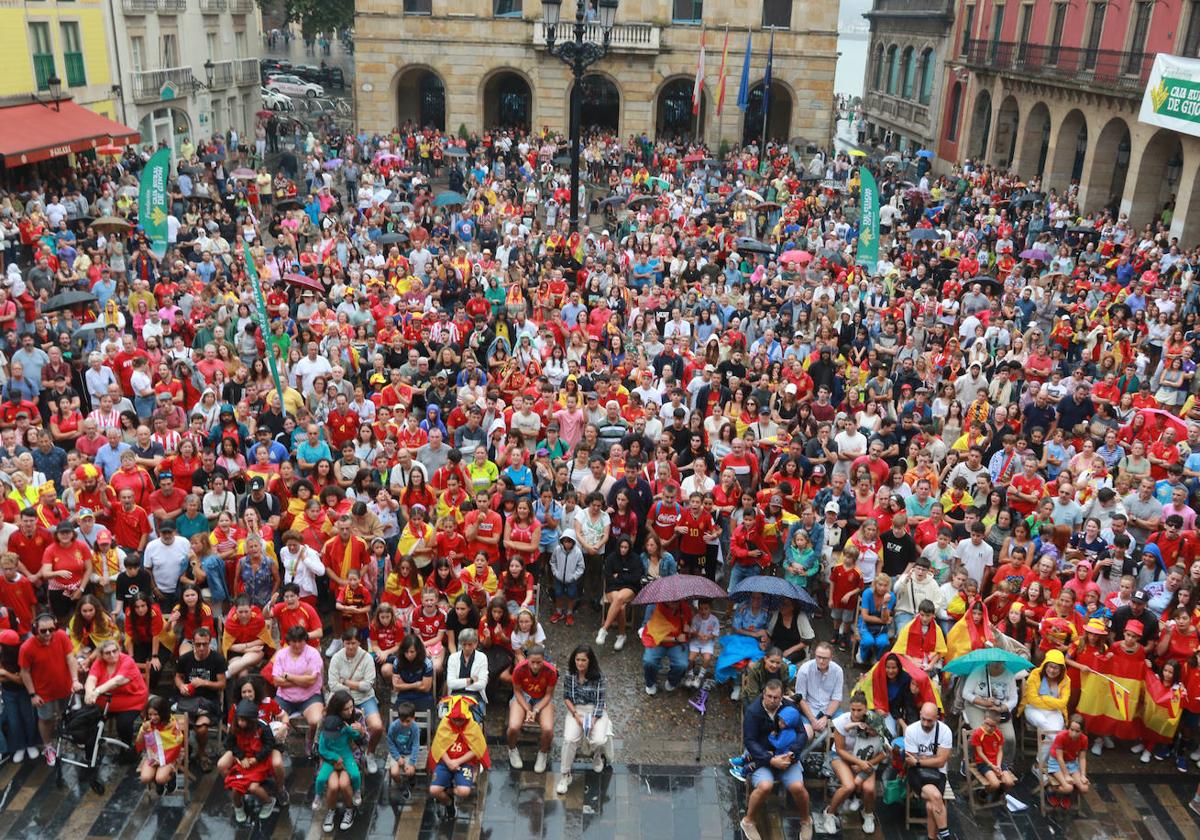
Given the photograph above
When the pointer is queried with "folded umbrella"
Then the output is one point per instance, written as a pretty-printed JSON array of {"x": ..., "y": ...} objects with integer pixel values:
[{"x": 678, "y": 588}]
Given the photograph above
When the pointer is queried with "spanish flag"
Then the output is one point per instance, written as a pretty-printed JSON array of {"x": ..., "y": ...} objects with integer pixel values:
[
  {"x": 459, "y": 732},
  {"x": 575, "y": 247},
  {"x": 1109, "y": 702},
  {"x": 237, "y": 633},
  {"x": 1162, "y": 708},
  {"x": 966, "y": 636},
  {"x": 874, "y": 683},
  {"x": 919, "y": 644},
  {"x": 665, "y": 623}
]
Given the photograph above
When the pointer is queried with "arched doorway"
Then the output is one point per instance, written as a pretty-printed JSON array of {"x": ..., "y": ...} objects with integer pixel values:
[
  {"x": 1035, "y": 142},
  {"x": 1004, "y": 147},
  {"x": 421, "y": 98},
  {"x": 599, "y": 104},
  {"x": 673, "y": 112},
  {"x": 981, "y": 126},
  {"x": 1069, "y": 151},
  {"x": 507, "y": 101},
  {"x": 1106, "y": 180},
  {"x": 1157, "y": 179},
  {"x": 169, "y": 125},
  {"x": 779, "y": 120}
]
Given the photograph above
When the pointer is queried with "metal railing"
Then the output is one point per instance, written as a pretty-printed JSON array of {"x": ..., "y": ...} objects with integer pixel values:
[
  {"x": 148, "y": 84},
  {"x": 222, "y": 74},
  {"x": 139, "y": 7},
  {"x": 898, "y": 109},
  {"x": 241, "y": 7},
  {"x": 1120, "y": 71},
  {"x": 212, "y": 7},
  {"x": 172, "y": 7},
  {"x": 246, "y": 71},
  {"x": 625, "y": 37}
]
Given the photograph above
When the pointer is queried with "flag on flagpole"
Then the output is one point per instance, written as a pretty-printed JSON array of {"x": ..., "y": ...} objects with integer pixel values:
[
  {"x": 743, "y": 100},
  {"x": 698, "y": 89},
  {"x": 767, "y": 81},
  {"x": 721, "y": 77}
]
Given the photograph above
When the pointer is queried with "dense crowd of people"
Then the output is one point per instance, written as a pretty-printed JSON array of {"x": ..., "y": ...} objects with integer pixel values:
[{"x": 464, "y": 421}]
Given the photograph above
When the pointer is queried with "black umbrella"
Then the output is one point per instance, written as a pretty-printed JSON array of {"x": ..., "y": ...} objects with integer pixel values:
[
  {"x": 87, "y": 331},
  {"x": 989, "y": 284},
  {"x": 1082, "y": 229},
  {"x": 562, "y": 160},
  {"x": 745, "y": 243},
  {"x": 211, "y": 158},
  {"x": 289, "y": 204},
  {"x": 616, "y": 199},
  {"x": 1027, "y": 198},
  {"x": 66, "y": 300}
]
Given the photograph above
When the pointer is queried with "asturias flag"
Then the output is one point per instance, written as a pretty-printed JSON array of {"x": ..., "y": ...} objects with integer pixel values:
[{"x": 152, "y": 201}]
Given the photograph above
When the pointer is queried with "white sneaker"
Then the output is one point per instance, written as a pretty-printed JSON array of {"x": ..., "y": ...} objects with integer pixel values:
[
  {"x": 598, "y": 762},
  {"x": 239, "y": 814},
  {"x": 652, "y": 690},
  {"x": 1137, "y": 748},
  {"x": 868, "y": 823},
  {"x": 1145, "y": 759},
  {"x": 1195, "y": 756},
  {"x": 669, "y": 686},
  {"x": 372, "y": 764},
  {"x": 825, "y": 823},
  {"x": 736, "y": 694},
  {"x": 539, "y": 765},
  {"x": 34, "y": 752},
  {"x": 18, "y": 756},
  {"x": 267, "y": 809},
  {"x": 855, "y": 803},
  {"x": 327, "y": 824},
  {"x": 749, "y": 829},
  {"x": 601, "y": 636},
  {"x": 514, "y": 759},
  {"x": 806, "y": 829},
  {"x": 619, "y": 642},
  {"x": 564, "y": 782},
  {"x": 357, "y": 798},
  {"x": 1109, "y": 743},
  {"x": 1098, "y": 747}
]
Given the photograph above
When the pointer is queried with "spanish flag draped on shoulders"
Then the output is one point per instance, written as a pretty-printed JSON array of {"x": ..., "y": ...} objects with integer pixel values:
[
  {"x": 665, "y": 623},
  {"x": 238, "y": 632},
  {"x": 920, "y": 642},
  {"x": 1110, "y": 699},
  {"x": 459, "y": 733},
  {"x": 880, "y": 691},
  {"x": 971, "y": 632}
]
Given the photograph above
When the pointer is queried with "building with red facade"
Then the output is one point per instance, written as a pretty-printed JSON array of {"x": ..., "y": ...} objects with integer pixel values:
[{"x": 1053, "y": 88}]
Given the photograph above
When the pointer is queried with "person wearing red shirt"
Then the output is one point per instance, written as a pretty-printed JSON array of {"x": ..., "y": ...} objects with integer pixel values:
[
  {"x": 50, "y": 672},
  {"x": 343, "y": 552},
  {"x": 874, "y": 463},
  {"x": 292, "y": 612},
  {"x": 17, "y": 598},
  {"x": 115, "y": 674},
  {"x": 130, "y": 523},
  {"x": 987, "y": 755},
  {"x": 166, "y": 503},
  {"x": 65, "y": 565},
  {"x": 1046, "y": 574},
  {"x": 694, "y": 525},
  {"x": 1162, "y": 453},
  {"x": 743, "y": 463},
  {"x": 133, "y": 478},
  {"x": 483, "y": 529},
  {"x": 342, "y": 423},
  {"x": 29, "y": 543},
  {"x": 665, "y": 515},
  {"x": 1026, "y": 489},
  {"x": 533, "y": 682}
]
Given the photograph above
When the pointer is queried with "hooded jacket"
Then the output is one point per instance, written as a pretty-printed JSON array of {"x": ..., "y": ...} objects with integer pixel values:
[{"x": 567, "y": 566}]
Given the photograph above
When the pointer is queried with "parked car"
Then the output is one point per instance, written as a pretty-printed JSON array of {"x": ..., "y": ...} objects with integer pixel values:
[
  {"x": 276, "y": 101},
  {"x": 294, "y": 86}
]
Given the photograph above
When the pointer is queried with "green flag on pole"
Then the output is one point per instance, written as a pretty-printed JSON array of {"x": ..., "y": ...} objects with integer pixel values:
[
  {"x": 868, "y": 230},
  {"x": 152, "y": 201},
  {"x": 263, "y": 324}
]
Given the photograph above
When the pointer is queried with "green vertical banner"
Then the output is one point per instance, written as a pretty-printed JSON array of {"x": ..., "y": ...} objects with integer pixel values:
[
  {"x": 152, "y": 201},
  {"x": 260, "y": 315},
  {"x": 868, "y": 229}
]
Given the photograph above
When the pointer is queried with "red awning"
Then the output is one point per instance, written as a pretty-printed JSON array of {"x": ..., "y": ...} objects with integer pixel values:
[{"x": 33, "y": 132}]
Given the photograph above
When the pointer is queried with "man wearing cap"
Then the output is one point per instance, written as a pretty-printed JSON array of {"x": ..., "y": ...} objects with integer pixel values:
[
  {"x": 267, "y": 505},
  {"x": 166, "y": 558},
  {"x": 166, "y": 503},
  {"x": 1136, "y": 614}
]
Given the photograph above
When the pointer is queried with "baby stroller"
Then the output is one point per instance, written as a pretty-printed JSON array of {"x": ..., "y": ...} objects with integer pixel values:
[{"x": 81, "y": 740}]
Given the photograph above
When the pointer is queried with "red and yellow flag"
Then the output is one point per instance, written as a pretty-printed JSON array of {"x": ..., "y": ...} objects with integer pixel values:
[
  {"x": 721, "y": 78},
  {"x": 966, "y": 636},
  {"x": 1162, "y": 708},
  {"x": 1110, "y": 701}
]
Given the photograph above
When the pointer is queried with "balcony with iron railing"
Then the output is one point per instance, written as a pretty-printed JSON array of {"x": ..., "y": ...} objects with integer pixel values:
[
  {"x": 241, "y": 7},
  {"x": 148, "y": 84},
  {"x": 1109, "y": 71},
  {"x": 625, "y": 37},
  {"x": 212, "y": 7},
  {"x": 897, "y": 109},
  {"x": 223, "y": 75},
  {"x": 139, "y": 7},
  {"x": 172, "y": 7},
  {"x": 246, "y": 71}
]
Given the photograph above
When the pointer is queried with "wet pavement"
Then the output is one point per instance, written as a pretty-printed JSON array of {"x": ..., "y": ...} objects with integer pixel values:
[{"x": 657, "y": 791}]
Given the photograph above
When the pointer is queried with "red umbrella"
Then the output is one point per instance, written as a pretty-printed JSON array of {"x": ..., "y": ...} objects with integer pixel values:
[
  {"x": 304, "y": 282},
  {"x": 802, "y": 257},
  {"x": 1168, "y": 420},
  {"x": 109, "y": 149},
  {"x": 694, "y": 157}
]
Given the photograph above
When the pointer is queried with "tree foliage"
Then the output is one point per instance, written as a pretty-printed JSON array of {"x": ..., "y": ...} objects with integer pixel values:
[{"x": 318, "y": 15}]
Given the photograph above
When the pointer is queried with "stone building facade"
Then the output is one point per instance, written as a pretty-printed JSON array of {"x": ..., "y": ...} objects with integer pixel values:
[
  {"x": 903, "y": 87},
  {"x": 483, "y": 63}
]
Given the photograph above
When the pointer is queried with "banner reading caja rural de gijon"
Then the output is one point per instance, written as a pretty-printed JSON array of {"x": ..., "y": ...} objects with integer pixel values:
[{"x": 1172, "y": 97}]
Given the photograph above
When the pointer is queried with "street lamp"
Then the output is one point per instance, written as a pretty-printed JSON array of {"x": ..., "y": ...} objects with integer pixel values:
[
  {"x": 579, "y": 54},
  {"x": 54, "y": 86}
]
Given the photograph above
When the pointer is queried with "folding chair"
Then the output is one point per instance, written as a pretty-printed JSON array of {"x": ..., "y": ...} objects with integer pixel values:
[
  {"x": 914, "y": 806},
  {"x": 977, "y": 798}
]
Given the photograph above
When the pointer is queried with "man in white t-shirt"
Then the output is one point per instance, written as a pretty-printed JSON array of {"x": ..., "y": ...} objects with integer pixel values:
[
  {"x": 166, "y": 558},
  {"x": 926, "y": 751},
  {"x": 309, "y": 368},
  {"x": 850, "y": 443},
  {"x": 975, "y": 555}
]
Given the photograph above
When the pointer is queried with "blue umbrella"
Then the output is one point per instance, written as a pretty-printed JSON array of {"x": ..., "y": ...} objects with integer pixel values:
[
  {"x": 918, "y": 234},
  {"x": 449, "y": 198},
  {"x": 455, "y": 151},
  {"x": 925, "y": 153},
  {"x": 771, "y": 587},
  {"x": 968, "y": 662}
]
